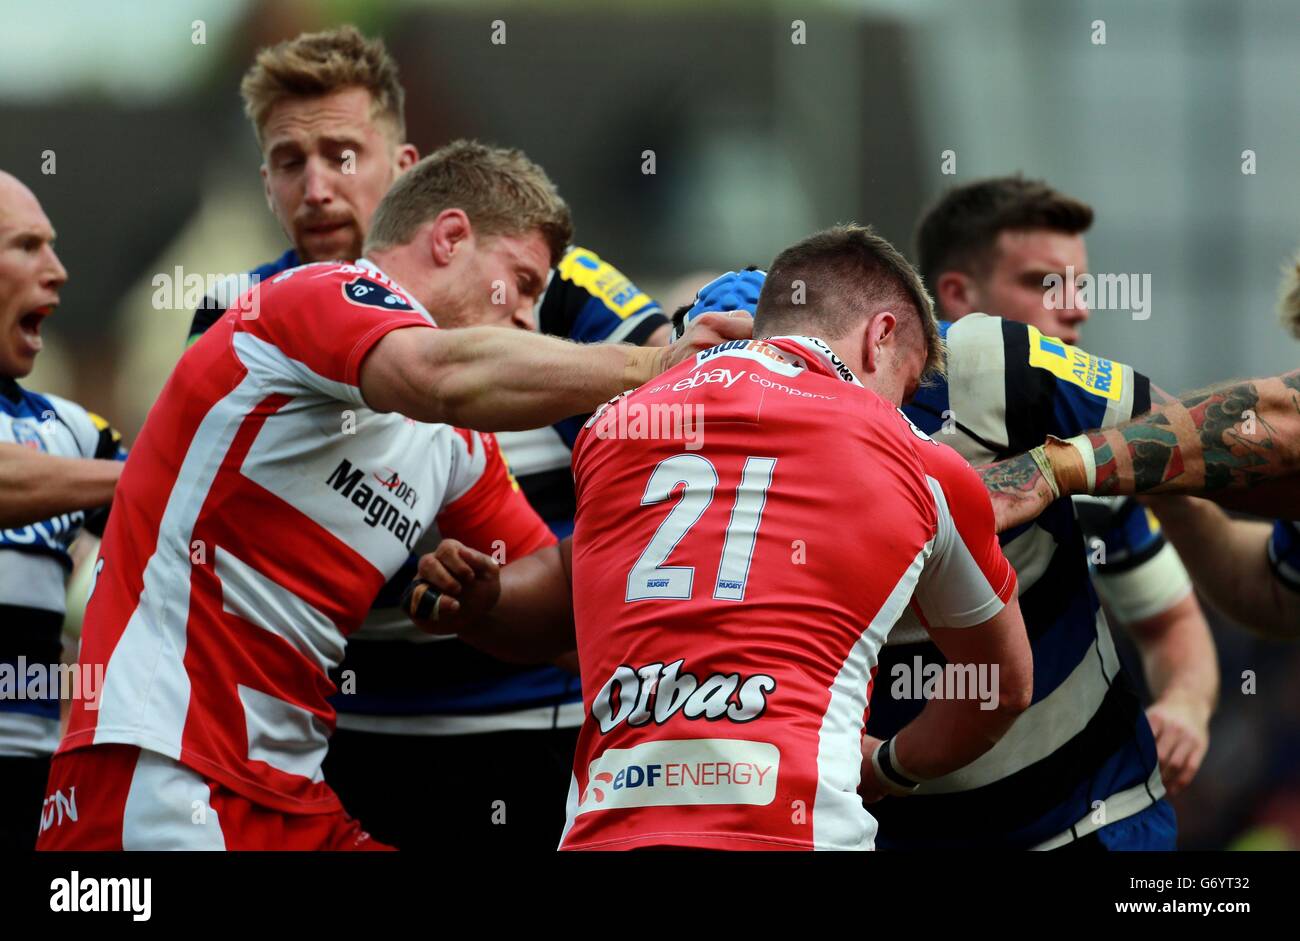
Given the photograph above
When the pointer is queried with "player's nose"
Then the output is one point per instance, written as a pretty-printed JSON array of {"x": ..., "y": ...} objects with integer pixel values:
[
  {"x": 524, "y": 318},
  {"x": 55, "y": 275},
  {"x": 317, "y": 186}
]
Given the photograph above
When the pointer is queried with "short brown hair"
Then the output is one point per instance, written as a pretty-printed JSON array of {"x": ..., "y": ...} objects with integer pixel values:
[
  {"x": 500, "y": 190},
  {"x": 960, "y": 231},
  {"x": 319, "y": 63},
  {"x": 829, "y": 281}
]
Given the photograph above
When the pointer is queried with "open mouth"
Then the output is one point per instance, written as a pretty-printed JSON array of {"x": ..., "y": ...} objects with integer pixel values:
[{"x": 29, "y": 325}]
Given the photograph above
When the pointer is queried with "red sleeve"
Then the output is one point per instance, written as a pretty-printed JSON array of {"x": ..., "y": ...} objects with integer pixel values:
[
  {"x": 967, "y": 579},
  {"x": 320, "y": 321},
  {"x": 493, "y": 513}
]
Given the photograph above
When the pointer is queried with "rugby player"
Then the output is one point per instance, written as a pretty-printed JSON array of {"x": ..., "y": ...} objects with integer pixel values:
[
  {"x": 728, "y": 607},
  {"x": 1086, "y": 744},
  {"x": 327, "y": 109},
  {"x": 272, "y": 493},
  {"x": 58, "y": 466},
  {"x": 1090, "y": 742},
  {"x": 1236, "y": 443},
  {"x": 1249, "y": 569}
]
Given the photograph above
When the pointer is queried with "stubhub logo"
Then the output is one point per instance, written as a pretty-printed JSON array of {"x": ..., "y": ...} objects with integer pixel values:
[{"x": 675, "y": 772}]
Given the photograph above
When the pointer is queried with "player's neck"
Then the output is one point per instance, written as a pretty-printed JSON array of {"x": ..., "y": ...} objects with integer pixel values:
[{"x": 402, "y": 266}]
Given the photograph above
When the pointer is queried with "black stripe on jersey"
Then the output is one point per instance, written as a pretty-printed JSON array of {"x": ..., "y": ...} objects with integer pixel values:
[
  {"x": 1029, "y": 392},
  {"x": 550, "y": 493},
  {"x": 205, "y": 315},
  {"x": 1099, "y": 520},
  {"x": 1141, "y": 395},
  {"x": 1064, "y": 583},
  {"x": 33, "y": 633},
  {"x": 641, "y": 332},
  {"x": 423, "y": 667},
  {"x": 1019, "y": 799},
  {"x": 560, "y": 308},
  {"x": 997, "y": 449}
]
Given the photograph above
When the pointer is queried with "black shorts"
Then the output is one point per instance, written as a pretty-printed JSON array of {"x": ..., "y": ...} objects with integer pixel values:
[
  {"x": 422, "y": 792},
  {"x": 22, "y": 793}
]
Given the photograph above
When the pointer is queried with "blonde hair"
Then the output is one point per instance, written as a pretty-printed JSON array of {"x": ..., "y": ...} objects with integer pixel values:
[
  {"x": 500, "y": 190},
  {"x": 319, "y": 63}
]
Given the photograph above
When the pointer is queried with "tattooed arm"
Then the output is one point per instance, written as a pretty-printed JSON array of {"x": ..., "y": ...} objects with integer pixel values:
[{"x": 1237, "y": 443}]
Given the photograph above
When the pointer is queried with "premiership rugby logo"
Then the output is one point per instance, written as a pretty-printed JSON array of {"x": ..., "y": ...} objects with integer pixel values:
[{"x": 367, "y": 293}]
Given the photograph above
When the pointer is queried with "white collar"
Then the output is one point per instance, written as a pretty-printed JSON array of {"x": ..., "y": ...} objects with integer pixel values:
[{"x": 822, "y": 350}]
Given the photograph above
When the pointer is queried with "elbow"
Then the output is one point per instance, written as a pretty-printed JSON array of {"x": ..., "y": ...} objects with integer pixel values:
[
  {"x": 1014, "y": 701},
  {"x": 1015, "y": 690}
]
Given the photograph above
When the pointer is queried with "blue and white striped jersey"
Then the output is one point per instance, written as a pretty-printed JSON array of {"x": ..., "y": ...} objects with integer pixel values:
[
  {"x": 34, "y": 568},
  {"x": 1084, "y": 739}
]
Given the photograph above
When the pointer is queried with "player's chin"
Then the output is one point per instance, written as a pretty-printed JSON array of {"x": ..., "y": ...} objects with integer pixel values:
[
  {"x": 338, "y": 244},
  {"x": 17, "y": 359}
]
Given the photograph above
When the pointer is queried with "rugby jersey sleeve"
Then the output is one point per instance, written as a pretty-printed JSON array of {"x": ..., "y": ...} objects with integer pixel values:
[
  {"x": 314, "y": 325},
  {"x": 484, "y": 508},
  {"x": 96, "y": 438},
  {"x": 1134, "y": 569},
  {"x": 966, "y": 579},
  {"x": 1058, "y": 389},
  {"x": 591, "y": 301}
]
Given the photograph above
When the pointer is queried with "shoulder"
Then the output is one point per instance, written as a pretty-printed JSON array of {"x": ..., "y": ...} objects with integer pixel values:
[
  {"x": 590, "y": 298},
  {"x": 86, "y": 426}
]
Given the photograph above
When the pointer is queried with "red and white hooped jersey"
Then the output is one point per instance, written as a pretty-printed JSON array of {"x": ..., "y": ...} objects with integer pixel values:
[
  {"x": 750, "y": 525},
  {"x": 260, "y": 512}
]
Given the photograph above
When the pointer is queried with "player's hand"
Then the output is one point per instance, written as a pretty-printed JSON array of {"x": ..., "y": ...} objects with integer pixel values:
[
  {"x": 872, "y": 788},
  {"x": 705, "y": 331},
  {"x": 1182, "y": 732},
  {"x": 456, "y": 585},
  {"x": 1017, "y": 489}
]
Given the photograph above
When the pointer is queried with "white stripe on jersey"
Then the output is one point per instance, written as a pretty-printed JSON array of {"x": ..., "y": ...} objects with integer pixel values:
[
  {"x": 1119, "y": 805},
  {"x": 146, "y": 693},
  {"x": 567, "y": 715},
  {"x": 533, "y": 452},
  {"x": 22, "y": 733},
  {"x": 277, "y": 372},
  {"x": 1040, "y": 729},
  {"x": 952, "y": 563},
  {"x": 248, "y": 594},
  {"x": 32, "y": 580},
  {"x": 1029, "y": 554},
  {"x": 160, "y": 805},
  {"x": 840, "y": 820},
  {"x": 284, "y": 735}
]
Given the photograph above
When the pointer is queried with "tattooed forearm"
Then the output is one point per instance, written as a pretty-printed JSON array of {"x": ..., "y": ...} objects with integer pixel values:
[
  {"x": 1016, "y": 475},
  {"x": 1239, "y": 434}
]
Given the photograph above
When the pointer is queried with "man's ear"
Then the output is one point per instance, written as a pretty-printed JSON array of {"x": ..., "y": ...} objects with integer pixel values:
[
  {"x": 407, "y": 156},
  {"x": 880, "y": 332},
  {"x": 266, "y": 187},
  {"x": 956, "y": 294},
  {"x": 447, "y": 233}
]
